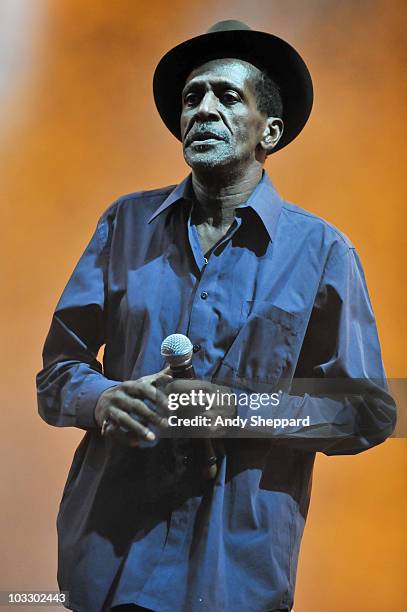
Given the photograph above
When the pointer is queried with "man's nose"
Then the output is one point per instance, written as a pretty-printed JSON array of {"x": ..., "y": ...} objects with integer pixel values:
[{"x": 208, "y": 106}]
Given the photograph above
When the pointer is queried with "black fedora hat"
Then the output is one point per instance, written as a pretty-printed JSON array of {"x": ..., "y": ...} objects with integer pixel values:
[{"x": 235, "y": 39}]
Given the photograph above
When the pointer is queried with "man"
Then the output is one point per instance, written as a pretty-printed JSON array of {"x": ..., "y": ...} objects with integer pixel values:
[{"x": 269, "y": 295}]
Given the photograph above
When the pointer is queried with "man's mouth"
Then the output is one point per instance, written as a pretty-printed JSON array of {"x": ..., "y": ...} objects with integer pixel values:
[{"x": 204, "y": 138}]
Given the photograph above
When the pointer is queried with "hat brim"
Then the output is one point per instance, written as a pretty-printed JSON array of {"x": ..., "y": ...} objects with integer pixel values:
[{"x": 266, "y": 51}]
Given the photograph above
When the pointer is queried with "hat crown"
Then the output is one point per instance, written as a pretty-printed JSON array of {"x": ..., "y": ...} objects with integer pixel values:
[{"x": 227, "y": 25}]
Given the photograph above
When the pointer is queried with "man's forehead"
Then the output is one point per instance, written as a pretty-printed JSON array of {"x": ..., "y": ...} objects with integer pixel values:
[{"x": 229, "y": 68}]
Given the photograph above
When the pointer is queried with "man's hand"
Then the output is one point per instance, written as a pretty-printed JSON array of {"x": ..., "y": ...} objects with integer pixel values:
[
  {"x": 123, "y": 407},
  {"x": 205, "y": 398}
]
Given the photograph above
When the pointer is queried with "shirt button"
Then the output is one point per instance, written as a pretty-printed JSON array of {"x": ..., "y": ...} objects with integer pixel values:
[
  {"x": 196, "y": 348},
  {"x": 205, "y": 260},
  {"x": 204, "y": 295},
  {"x": 186, "y": 459}
]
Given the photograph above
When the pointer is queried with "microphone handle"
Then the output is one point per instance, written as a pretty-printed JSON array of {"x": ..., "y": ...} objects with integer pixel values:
[
  {"x": 183, "y": 371},
  {"x": 210, "y": 467}
]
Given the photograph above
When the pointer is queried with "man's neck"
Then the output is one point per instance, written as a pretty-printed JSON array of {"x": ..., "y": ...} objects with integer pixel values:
[{"x": 217, "y": 197}]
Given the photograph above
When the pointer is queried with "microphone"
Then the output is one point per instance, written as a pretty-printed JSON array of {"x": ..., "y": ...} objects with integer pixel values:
[{"x": 178, "y": 350}]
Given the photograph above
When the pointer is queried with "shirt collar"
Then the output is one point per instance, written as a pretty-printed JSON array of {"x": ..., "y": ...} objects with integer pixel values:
[
  {"x": 264, "y": 200},
  {"x": 180, "y": 192}
]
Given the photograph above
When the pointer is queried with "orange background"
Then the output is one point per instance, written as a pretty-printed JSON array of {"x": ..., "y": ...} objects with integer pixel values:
[{"x": 78, "y": 127}]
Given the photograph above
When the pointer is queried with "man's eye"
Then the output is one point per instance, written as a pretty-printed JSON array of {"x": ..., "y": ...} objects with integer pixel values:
[
  {"x": 230, "y": 97},
  {"x": 191, "y": 99}
]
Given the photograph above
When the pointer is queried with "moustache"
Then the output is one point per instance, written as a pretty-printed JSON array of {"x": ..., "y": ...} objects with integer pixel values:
[{"x": 204, "y": 132}]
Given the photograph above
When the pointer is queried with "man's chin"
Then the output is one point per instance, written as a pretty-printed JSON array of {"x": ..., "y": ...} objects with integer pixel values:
[{"x": 206, "y": 161}]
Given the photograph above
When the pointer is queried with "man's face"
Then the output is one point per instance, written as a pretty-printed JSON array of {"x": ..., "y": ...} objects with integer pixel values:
[{"x": 221, "y": 125}]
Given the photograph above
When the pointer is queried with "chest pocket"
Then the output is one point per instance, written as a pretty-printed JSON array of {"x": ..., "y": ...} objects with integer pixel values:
[{"x": 263, "y": 350}]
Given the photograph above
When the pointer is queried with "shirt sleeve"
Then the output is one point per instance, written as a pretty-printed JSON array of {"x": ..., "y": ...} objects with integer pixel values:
[
  {"x": 72, "y": 379},
  {"x": 345, "y": 407}
]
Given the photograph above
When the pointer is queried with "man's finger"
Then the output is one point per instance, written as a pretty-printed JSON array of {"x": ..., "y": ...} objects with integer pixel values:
[
  {"x": 121, "y": 436},
  {"x": 138, "y": 408},
  {"x": 162, "y": 380},
  {"x": 143, "y": 390},
  {"x": 186, "y": 386},
  {"x": 125, "y": 420},
  {"x": 162, "y": 377}
]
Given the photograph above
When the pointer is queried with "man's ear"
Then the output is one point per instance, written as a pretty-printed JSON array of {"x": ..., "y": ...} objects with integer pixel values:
[{"x": 272, "y": 134}]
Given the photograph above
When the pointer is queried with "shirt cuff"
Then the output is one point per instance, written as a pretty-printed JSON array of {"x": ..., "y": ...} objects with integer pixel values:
[{"x": 91, "y": 389}]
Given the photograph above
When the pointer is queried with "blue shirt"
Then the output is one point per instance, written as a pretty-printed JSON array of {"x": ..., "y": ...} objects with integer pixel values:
[{"x": 281, "y": 299}]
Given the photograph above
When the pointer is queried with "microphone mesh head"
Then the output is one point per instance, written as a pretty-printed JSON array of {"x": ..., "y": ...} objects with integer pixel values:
[{"x": 176, "y": 345}]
